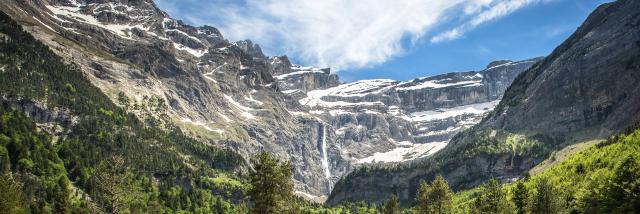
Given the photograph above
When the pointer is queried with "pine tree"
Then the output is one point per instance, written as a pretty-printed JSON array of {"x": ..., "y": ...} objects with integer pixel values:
[
  {"x": 435, "y": 198},
  {"x": 61, "y": 199},
  {"x": 545, "y": 199},
  {"x": 623, "y": 194},
  {"x": 492, "y": 199},
  {"x": 272, "y": 185},
  {"x": 422, "y": 198},
  {"x": 12, "y": 199},
  {"x": 520, "y": 196},
  {"x": 392, "y": 206}
]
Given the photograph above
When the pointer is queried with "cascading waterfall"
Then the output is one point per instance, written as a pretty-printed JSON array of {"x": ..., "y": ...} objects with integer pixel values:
[{"x": 325, "y": 158}]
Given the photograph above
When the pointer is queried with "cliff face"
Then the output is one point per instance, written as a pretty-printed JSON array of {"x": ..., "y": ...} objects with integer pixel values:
[
  {"x": 586, "y": 89},
  {"x": 223, "y": 93},
  {"x": 389, "y": 121},
  {"x": 232, "y": 95}
]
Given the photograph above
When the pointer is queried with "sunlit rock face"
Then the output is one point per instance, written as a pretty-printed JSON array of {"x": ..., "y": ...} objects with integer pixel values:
[
  {"x": 230, "y": 94},
  {"x": 586, "y": 89},
  {"x": 385, "y": 120}
]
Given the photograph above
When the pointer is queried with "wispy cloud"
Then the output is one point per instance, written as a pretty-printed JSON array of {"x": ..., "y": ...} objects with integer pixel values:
[
  {"x": 480, "y": 12},
  {"x": 343, "y": 34}
]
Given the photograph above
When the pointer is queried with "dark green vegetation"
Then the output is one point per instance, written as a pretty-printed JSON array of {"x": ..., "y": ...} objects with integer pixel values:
[
  {"x": 434, "y": 198},
  {"x": 108, "y": 159},
  {"x": 272, "y": 190},
  {"x": 604, "y": 178}
]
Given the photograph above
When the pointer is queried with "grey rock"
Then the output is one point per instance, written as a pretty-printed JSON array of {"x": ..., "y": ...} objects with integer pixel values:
[{"x": 586, "y": 89}]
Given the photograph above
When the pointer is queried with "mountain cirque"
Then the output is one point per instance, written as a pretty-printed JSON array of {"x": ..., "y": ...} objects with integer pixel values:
[
  {"x": 231, "y": 95},
  {"x": 586, "y": 89}
]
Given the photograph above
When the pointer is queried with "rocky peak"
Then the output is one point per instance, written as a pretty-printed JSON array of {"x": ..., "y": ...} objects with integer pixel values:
[
  {"x": 498, "y": 62},
  {"x": 250, "y": 48}
]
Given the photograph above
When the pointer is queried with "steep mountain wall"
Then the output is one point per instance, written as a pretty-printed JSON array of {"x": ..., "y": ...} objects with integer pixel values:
[
  {"x": 231, "y": 95},
  {"x": 586, "y": 89}
]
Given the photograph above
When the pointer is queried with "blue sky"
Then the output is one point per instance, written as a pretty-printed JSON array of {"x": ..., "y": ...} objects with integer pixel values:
[{"x": 399, "y": 39}]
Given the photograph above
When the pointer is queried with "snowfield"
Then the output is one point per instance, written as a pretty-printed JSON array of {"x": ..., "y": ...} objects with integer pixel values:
[
  {"x": 404, "y": 151},
  {"x": 439, "y": 114}
]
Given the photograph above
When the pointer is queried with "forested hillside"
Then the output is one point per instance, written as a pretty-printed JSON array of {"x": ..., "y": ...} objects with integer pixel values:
[
  {"x": 106, "y": 159},
  {"x": 604, "y": 178}
]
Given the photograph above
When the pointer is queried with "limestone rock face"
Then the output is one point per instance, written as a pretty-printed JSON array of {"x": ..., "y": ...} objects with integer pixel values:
[
  {"x": 586, "y": 89},
  {"x": 231, "y": 95}
]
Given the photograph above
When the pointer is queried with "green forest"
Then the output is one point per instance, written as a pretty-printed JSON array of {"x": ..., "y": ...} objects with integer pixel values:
[{"x": 109, "y": 160}]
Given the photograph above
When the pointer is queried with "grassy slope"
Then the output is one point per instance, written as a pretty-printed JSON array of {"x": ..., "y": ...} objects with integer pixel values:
[{"x": 579, "y": 170}]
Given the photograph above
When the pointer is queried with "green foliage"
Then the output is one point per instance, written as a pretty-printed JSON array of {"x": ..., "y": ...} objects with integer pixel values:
[
  {"x": 492, "y": 198},
  {"x": 32, "y": 160},
  {"x": 271, "y": 185},
  {"x": 601, "y": 179},
  {"x": 545, "y": 198},
  {"x": 434, "y": 198},
  {"x": 520, "y": 197},
  {"x": 392, "y": 206},
  {"x": 11, "y": 198},
  {"x": 164, "y": 170}
]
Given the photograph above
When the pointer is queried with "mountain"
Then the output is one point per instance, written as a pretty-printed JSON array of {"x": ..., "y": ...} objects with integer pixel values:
[
  {"x": 65, "y": 147},
  {"x": 585, "y": 89},
  {"x": 230, "y": 95},
  {"x": 410, "y": 119}
]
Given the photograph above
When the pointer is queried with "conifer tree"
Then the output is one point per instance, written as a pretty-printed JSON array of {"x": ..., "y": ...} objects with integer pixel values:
[
  {"x": 272, "y": 185},
  {"x": 435, "y": 198},
  {"x": 392, "y": 206},
  {"x": 545, "y": 199},
  {"x": 623, "y": 194},
  {"x": 422, "y": 198},
  {"x": 520, "y": 196},
  {"x": 11, "y": 196},
  {"x": 492, "y": 199}
]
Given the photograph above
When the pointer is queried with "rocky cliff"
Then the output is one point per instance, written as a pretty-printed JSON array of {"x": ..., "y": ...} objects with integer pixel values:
[
  {"x": 230, "y": 94},
  {"x": 586, "y": 89}
]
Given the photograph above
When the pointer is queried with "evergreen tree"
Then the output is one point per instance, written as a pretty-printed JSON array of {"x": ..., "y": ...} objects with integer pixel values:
[
  {"x": 11, "y": 196},
  {"x": 623, "y": 194},
  {"x": 492, "y": 199},
  {"x": 545, "y": 198},
  {"x": 435, "y": 198},
  {"x": 422, "y": 198},
  {"x": 392, "y": 206},
  {"x": 520, "y": 196},
  {"x": 61, "y": 199},
  {"x": 272, "y": 185}
]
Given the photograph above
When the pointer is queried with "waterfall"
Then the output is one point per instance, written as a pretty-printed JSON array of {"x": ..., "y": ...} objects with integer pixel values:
[{"x": 325, "y": 158}]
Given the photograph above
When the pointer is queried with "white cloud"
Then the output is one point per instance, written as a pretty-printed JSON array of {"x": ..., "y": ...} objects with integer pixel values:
[
  {"x": 483, "y": 11},
  {"x": 345, "y": 34}
]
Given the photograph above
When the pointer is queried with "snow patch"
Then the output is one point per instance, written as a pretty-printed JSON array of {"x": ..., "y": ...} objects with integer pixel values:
[
  {"x": 75, "y": 14},
  {"x": 245, "y": 111},
  {"x": 443, "y": 113},
  {"x": 433, "y": 84},
  {"x": 195, "y": 52},
  {"x": 405, "y": 151},
  {"x": 250, "y": 99},
  {"x": 45, "y": 25},
  {"x": 201, "y": 124},
  {"x": 285, "y": 76}
]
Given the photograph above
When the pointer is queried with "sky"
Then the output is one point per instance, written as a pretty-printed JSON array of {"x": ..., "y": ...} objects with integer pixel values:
[{"x": 392, "y": 39}]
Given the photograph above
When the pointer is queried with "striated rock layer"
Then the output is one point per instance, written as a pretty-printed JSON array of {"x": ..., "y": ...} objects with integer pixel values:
[
  {"x": 586, "y": 89},
  {"x": 232, "y": 95}
]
